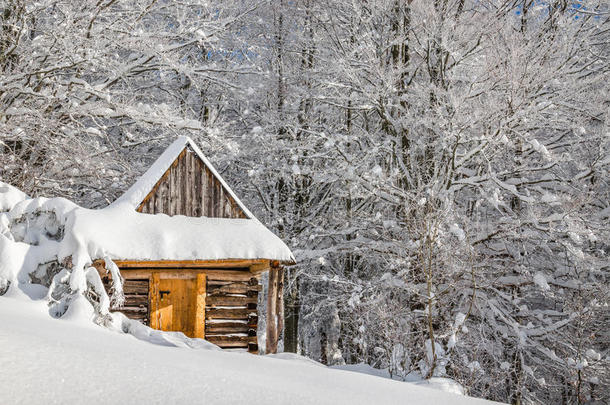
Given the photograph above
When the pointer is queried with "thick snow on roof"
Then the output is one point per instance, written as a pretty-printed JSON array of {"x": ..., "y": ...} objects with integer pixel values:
[
  {"x": 119, "y": 232},
  {"x": 43, "y": 228},
  {"x": 140, "y": 189}
]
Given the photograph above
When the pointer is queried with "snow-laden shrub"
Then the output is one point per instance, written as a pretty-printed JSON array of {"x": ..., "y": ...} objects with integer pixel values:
[{"x": 34, "y": 249}]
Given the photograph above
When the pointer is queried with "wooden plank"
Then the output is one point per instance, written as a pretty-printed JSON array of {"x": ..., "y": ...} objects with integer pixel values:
[
  {"x": 205, "y": 194},
  {"x": 150, "y": 206},
  {"x": 143, "y": 208},
  {"x": 162, "y": 193},
  {"x": 220, "y": 201},
  {"x": 136, "y": 300},
  {"x": 234, "y": 288},
  {"x": 242, "y": 263},
  {"x": 228, "y": 313},
  {"x": 219, "y": 263},
  {"x": 217, "y": 199},
  {"x": 200, "y": 298},
  {"x": 229, "y": 207},
  {"x": 194, "y": 186},
  {"x": 200, "y": 178},
  {"x": 129, "y": 308},
  {"x": 258, "y": 268},
  {"x": 167, "y": 303},
  {"x": 271, "y": 321},
  {"x": 180, "y": 185},
  {"x": 235, "y": 324},
  {"x": 158, "y": 204},
  {"x": 218, "y": 328},
  {"x": 229, "y": 300},
  {"x": 224, "y": 283},
  {"x": 227, "y": 327},
  {"x": 135, "y": 287},
  {"x": 187, "y": 179},
  {"x": 210, "y": 194},
  {"x": 231, "y": 341},
  {"x": 280, "y": 302},
  {"x": 185, "y": 185},
  {"x": 185, "y": 274},
  {"x": 197, "y": 196},
  {"x": 154, "y": 301},
  {"x": 173, "y": 188},
  {"x": 177, "y": 195},
  {"x": 252, "y": 282},
  {"x": 232, "y": 275}
]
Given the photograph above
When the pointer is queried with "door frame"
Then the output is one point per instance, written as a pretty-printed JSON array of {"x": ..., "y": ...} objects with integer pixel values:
[{"x": 199, "y": 297}]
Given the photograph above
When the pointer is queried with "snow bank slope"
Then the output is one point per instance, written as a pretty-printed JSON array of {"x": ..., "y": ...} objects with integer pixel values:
[{"x": 47, "y": 361}]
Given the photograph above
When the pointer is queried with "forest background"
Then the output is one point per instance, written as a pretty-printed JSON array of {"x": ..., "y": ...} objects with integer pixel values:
[{"x": 440, "y": 168}]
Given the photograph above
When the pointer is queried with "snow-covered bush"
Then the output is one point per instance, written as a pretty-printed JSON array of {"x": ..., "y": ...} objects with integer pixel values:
[{"x": 35, "y": 249}]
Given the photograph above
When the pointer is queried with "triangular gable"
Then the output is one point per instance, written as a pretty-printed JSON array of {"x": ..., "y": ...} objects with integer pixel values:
[{"x": 183, "y": 182}]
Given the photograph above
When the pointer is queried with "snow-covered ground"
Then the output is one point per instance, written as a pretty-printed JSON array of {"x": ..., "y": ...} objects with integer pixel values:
[{"x": 72, "y": 361}]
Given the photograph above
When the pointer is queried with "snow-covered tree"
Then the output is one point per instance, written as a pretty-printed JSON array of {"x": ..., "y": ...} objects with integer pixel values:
[
  {"x": 88, "y": 88},
  {"x": 441, "y": 168}
]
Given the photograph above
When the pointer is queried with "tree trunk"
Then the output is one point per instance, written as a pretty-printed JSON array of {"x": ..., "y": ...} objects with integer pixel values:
[{"x": 292, "y": 307}]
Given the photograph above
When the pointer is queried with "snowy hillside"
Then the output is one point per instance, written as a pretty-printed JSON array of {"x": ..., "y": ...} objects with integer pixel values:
[{"x": 72, "y": 361}]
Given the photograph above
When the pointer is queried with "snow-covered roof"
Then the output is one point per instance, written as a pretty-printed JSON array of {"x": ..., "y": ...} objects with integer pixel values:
[
  {"x": 140, "y": 189},
  {"x": 121, "y": 233}
]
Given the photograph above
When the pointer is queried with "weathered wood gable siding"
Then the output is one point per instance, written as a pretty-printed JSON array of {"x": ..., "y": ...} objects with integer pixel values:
[{"x": 189, "y": 188}]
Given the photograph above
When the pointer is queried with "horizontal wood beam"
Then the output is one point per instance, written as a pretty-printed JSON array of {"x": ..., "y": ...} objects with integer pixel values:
[
  {"x": 191, "y": 263},
  {"x": 230, "y": 300},
  {"x": 243, "y": 276},
  {"x": 231, "y": 341},
  {"x": 229, "y": 327},
  {"x": 228, "y": 313},
  {"x": 255, "y": 265}
]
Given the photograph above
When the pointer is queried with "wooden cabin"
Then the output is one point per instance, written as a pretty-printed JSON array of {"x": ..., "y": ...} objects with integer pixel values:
[{"x": 208, "y": 287}]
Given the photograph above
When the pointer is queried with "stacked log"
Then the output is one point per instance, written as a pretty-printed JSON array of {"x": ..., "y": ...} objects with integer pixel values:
[
  {"x": 136, "y": 299},
  {"x": 231, "y": 313}
]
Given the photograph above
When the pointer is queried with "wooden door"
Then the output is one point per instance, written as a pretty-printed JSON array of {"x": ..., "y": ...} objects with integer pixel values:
[{"x": 178, "y": 305}]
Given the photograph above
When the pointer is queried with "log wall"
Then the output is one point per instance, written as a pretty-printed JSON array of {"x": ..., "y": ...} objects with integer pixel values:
[
  {"x": 231, "y": 302},
  {"x": 136, "y": 304},
  {"x": 231, "y": 316},
  {"x": 189, "y": 188}
]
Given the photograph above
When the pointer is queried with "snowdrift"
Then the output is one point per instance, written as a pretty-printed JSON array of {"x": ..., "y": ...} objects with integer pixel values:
[{"x": 73, "y": 361}]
